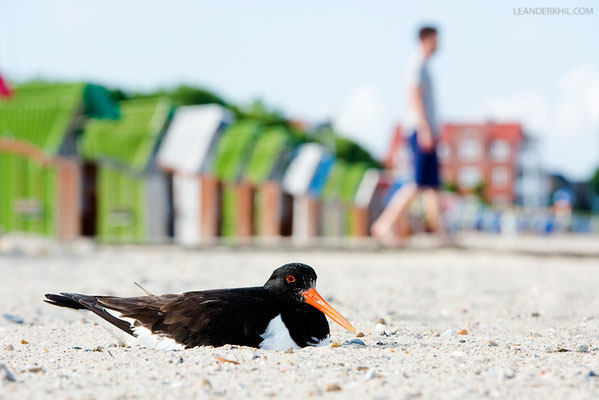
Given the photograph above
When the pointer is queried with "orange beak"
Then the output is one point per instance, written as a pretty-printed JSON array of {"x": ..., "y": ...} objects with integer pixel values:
[{"x": 315, "y": 300}]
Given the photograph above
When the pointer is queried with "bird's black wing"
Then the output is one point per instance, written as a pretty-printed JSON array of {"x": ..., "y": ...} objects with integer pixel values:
[{"x": 203, "y": 318}]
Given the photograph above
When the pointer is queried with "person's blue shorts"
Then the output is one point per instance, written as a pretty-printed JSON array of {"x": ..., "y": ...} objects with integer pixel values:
[{"x": 426, "y": 165}]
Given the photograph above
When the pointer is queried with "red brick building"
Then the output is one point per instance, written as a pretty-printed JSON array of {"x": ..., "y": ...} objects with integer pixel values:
[{"x": 472, "y": 156}]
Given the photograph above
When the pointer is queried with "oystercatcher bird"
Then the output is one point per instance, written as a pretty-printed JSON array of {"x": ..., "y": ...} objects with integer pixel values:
[{"x": 287, "y": 312}]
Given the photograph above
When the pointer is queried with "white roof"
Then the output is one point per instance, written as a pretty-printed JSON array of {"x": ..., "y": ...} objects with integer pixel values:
[
  {"x": 302, "y": 168},
  {"x": 367, "y": 187},
  {"x": 190, "y": 136}
]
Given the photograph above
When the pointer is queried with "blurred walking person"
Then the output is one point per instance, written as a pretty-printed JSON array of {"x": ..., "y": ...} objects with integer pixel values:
[{"x": 422, "y": 124}]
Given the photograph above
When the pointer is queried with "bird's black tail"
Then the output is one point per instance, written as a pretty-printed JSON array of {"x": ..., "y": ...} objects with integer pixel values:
[
  {"x": 77, "y": 301},
  {"x": 62, "y": 300}
]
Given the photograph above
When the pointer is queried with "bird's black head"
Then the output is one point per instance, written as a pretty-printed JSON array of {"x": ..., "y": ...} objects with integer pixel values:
[
  {"x": 291, "y": 281},
  {"x": 295, "y": 283}
]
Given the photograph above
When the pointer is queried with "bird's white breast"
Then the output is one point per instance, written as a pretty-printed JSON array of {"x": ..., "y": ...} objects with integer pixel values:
[{"x": 277, "y": 337}]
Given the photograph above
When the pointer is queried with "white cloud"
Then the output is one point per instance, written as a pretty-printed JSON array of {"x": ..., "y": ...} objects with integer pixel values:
[
  {"x": 529, "y": 106},
  {"x": 565, "y": 119},
  {"x": 364, "y": 117},
  {"x": 581, "y": 85}
]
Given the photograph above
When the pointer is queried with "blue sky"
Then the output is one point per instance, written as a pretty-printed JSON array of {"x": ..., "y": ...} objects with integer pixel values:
[{"x": 343, "y": 60}]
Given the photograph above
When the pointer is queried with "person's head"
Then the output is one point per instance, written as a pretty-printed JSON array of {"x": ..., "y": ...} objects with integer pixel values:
[{"x": 428, "y": 40}]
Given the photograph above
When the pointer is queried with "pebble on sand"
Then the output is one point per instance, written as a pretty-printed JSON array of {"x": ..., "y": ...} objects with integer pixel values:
[
  {"x": 449, "y": 333},
  {"x": 205, "y": 383},
  {"x": 13, "y": 318},
  {"x": 224, "y": 360},
  {"x": 333, "y": 387},
  {"x": 509, "y": 373},
  {"x": 6, "y": 375},
  {"x": 356, "y": 342},
  {"x": 462, "y": 332},
  {"x": 360, "y": 334},
  {"x": 370, "y": 374},
  {"x": 583, "y": 348},
  {"x": 380, "y": 329}
]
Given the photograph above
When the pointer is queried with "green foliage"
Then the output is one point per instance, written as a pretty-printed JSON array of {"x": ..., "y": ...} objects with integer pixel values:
[
  {"x": 479, "y": 192},
  {"x": 344, "y": 149},
  {"x": 182, "y": 95},
  {"x": 187, "y": 95},
  {"x": 259, "y": 112},
  {"x": 118, "y": 95},
  {"x": 594, "y": 182},
  {"x": 350, "y": 151},
  {"x": 450, "y": 187}
]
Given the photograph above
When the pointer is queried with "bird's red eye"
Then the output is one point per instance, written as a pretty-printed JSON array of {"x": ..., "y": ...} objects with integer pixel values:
[{"x": 290, "y": 278}]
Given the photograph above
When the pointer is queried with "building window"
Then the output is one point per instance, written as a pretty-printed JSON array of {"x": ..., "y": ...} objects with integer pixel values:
[
  {"x": 444, "y": 151},
  {"x": 470, "y": 149},
  {"x": 500, "y": 150},
  {"x": 500, "y": 176},
  {"x": 468, "y": 177}
]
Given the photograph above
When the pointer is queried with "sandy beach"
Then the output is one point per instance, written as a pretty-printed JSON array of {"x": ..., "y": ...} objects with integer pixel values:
[{"x": 437, "y": 323}]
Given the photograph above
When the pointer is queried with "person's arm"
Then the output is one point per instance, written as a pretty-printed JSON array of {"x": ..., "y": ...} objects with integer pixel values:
[{"x": 425, "y": 135}]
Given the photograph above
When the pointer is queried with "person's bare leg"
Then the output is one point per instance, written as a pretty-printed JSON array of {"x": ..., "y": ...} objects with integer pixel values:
[
  {"x": 402, "y": 226},
  {"x": 432, "y": 213},
  {"x": 382, "y": 228}
]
